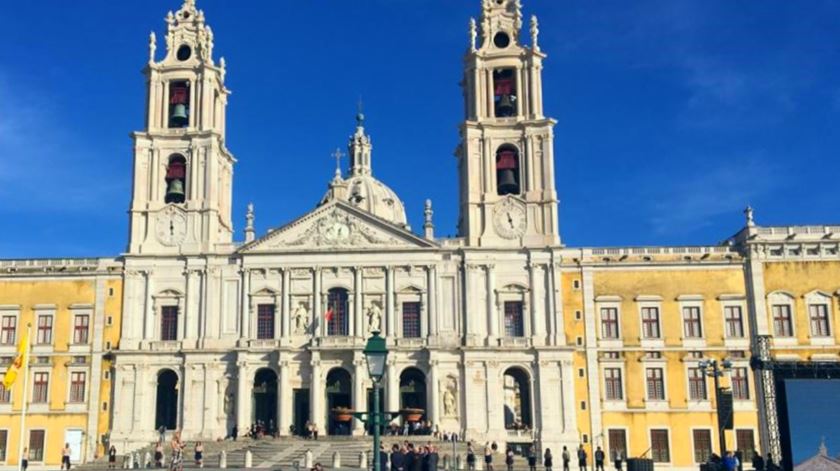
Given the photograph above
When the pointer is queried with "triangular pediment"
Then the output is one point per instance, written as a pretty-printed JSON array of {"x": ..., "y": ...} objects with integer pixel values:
[{"x": 336, "y": 226}]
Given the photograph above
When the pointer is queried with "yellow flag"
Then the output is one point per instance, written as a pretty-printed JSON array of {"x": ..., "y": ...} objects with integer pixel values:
[{"x": 17, "y": 364}]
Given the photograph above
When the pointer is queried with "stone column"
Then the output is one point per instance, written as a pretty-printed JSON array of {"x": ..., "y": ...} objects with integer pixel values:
[
  {"x": 537, "y": 303},
  {"x": 316, "y": 395},
  {"x": 359, "y": 396},
  {"x": 567, "y": 390},
  {"x": 244, "y": 385},
  {"x": 190, "y": 307},
  {"x": 358, "y": 316},
  {"x": 495, "y": 399},
  {"x": 432, "y": 393},
  {"x": 285, "y": 326},
  {"x": 149, "y": 309},
  {"x": 203, "y": 312},
  {"x": 492, "y": 313},
  {"x": 320, "y": 329},
  {"x": 245, "y": 306},
  {"x": 389, "y": 302},
  {"x": 392, "y": 388},
  {"x": 431, "y": 288},
  {"x": 284, "y": 400},
  {"x": 424, "y": 315}
]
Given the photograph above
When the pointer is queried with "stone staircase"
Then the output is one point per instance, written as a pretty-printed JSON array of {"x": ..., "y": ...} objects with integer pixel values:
[{"x": 288, "y": 453}]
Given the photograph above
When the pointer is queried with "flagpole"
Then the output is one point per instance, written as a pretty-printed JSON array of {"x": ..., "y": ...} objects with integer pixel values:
[{"x": 25, "y": 392}]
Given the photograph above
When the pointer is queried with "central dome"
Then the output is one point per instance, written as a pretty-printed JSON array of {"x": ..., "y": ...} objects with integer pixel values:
[
  {"x": 360, "y": 188},
  {"x": 368, "y": 194}
]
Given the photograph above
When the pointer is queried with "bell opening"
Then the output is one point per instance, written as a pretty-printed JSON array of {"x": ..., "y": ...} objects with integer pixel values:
[
  {"x": 179, "y": 104},
  {"x": 507, "y": 170},
  {"x": 504, "y": 93},
  {"x": 176, "y": 178}
]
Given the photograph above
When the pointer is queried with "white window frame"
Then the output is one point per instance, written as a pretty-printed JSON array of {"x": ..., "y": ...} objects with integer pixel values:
[
  {"x": 741, "y": 405},
  {"x": 608, "y": 449},
  {"x": 7, "y": 407},
  {"x": 168, "y": 298},
  {"x": 264, "y": 296},
  {"x": 38, "y": 311},
  {"x": 815, "y": 298},
  {"x": 40, "y": 407},
  {"x": 782, "y": 298},
  {"x": 12, "y": 310},
  {"x": 609, "y": 302},
  {"x": 647, "y": 301},
  {"x": 689, "y": 301},
  {"x": 80, "y": 310},
  {"x": 29, "y": 431},
  {"x": 415, "y": 294}
]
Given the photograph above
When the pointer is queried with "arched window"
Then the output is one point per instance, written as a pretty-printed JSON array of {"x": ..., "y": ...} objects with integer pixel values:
[
  {"x": 179, "y": 104},
  {"x": 504, "y": 93},
  {"x": 507, "y": 170},
  {"x": 176, "y": 179},
  {"x": 517, "y": 399},
  {"x": 336, "y": 315}
]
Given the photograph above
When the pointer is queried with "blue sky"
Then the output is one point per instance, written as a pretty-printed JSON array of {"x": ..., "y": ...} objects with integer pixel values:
[
  {"x": 814, "y": 415},
  {"x": 672, "y": 115}
]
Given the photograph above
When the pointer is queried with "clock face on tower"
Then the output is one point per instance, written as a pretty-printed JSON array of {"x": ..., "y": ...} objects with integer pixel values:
[
  {"x": 171, "y": 227},
  {"x": 509, "y": 219}
]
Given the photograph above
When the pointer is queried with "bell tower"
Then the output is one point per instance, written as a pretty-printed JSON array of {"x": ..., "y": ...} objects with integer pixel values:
[
  {"x": 506, "y": 154},
  {"x": 182, "y": 189}
]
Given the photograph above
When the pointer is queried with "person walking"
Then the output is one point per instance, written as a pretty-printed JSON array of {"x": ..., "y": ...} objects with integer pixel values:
[
  {"x": 397, "y": 459},
  {"x": 509, "y": 459},
  {"x": 24, "y": 460},
  {"x": 488, "y": 457},
  {"x": 470, "y": 457},
  {"x": 532, "y": 460},
  {"x": 757, "y": 461},
  {"x": 581, "y": 456},
  {"x": 730, "y": 463},
  {"x": 567, "y": 457},
  {"x": 112, "y": 457},
  {"x": 599, "y": 459},
  {"x": 65, "y": 456},
  {"x": 617, "y": 459},
  {"x": 159, "y": 455}
]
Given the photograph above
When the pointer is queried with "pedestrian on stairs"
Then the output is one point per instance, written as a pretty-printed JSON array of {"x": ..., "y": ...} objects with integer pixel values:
[
  {"x": 567, "y": 457},
  {"x": 599, "y": 459},
  {"x": 112, "y": 457},
  {"x": 581, "y": 456},
  {"x": 509, "y": 459},
  {"x": 532, "y": 460},
  {"x": 199, "y": 454},
  {"x": 548, "y": 459},
  {"x": 488, "y": 457},
  {"x": 159, "y": 455},
  {"x": 470, "y": 457}
]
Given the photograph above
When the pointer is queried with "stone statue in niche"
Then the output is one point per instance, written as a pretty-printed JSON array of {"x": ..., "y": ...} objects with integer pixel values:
[
  {"x": 450, "y": 394},
  {"x": 301, "y": 319},
  {"x": 374, "y": 315},
  {"x": 229, "y": 397}
]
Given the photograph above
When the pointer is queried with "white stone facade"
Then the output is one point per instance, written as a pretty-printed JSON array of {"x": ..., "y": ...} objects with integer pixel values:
[{"x": 193, "y": 298}]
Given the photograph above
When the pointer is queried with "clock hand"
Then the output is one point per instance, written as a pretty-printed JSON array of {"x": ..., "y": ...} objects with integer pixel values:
[{"x": 510, "y": 220}]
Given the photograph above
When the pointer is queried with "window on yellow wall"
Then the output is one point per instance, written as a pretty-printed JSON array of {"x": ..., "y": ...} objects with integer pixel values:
[
  {"x": 659, "y": 446},
  {"x": 734, "y": 321},
  {"x": 740, "y": 386},
  {"x": 40, "y": 390},
  {"x": 617, "y": 441},
  {"x": 782, "y": 321},
  {"x": 650, "y": 322},
  {"x": 5, "y": 394},
  {"x": 612, "y": 384},
  {"x": 655, "y": 384},
  {"x": 819, "y": 320},
  {"x": 7, "y": 330},
  {"x": 77, "y": 386},
  {"x": 691, "y": 322},
  {"x": 81, "y": 328},
  {"x": 36, "y": 445},
  {"x": 702, "y": 445},
  {"x": 696, "y": 384},
  {"x": 609, "y": 323},
  {"x": 45, "y": 324}
]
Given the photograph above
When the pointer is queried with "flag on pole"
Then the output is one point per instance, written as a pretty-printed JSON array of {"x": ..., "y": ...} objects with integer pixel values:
[{"x": 17, "y": 364}]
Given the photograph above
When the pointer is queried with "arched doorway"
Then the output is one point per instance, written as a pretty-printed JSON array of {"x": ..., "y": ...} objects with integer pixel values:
[
  {"x": 517, "y": 394},
  {"x": 339, "y": 394},
  {"x": 264, "y": 400},
  {"x": 166, "y": 403},
  {"x": 413, "y": 390}
]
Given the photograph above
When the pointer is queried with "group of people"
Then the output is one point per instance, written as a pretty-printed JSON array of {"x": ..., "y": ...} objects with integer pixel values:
[
  {"x": 176, "y": 461},
  {"x": 491, "y": 448},
  {"x": 65, "y": 457},
  {"x": 408, "y": 457},
  {"x": 420, "y": 427},
  {"x": 732, "y": 462}
]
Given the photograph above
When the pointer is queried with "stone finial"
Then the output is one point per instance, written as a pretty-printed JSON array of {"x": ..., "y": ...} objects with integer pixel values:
[
  {"x": 337, "y": 155},
  {"x": 748, "y": 213},
  {"x": 249, "y": 223},
  {"x": 152, "y": 47},
  {"x": 823, "y": 450},
  {"x": 428, "y": 225},
  {"x": 473, "y": 34},
  {"x": 222, "y": 63},
  {"x": 535, "y": 33}
]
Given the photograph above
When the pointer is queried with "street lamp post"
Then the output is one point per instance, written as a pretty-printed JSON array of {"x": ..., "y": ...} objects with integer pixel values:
[
  {"x": 715, "y": 370},
  {"x": 376, "y": 353}
]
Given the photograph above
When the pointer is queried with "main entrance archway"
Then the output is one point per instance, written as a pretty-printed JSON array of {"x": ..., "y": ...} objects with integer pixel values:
[
  {"x": 264, "y": 399},
  {"x": 413, "y": 390},
  {"x": 339, "y": 394},
  {"x": 517, "y": 394},
  {"x": 166, "y": 402}
]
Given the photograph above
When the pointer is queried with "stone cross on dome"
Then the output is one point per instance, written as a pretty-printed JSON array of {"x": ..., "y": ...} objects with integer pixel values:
[{"x": 337, "y": 155}]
